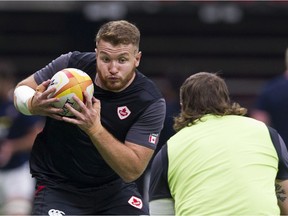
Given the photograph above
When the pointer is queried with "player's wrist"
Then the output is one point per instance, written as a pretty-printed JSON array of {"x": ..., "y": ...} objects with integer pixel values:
[
  {"x": 95, "y": 131},
  {"x": 30, "y": 101},
  {"x": 23, "y": 96}
]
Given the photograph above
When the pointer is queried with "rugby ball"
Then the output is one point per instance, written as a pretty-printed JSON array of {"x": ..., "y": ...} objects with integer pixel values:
[{"x": 69, "y": 82}]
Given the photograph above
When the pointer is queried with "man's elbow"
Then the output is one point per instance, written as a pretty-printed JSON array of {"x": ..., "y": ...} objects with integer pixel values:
[{"x": 131, "y": 176}]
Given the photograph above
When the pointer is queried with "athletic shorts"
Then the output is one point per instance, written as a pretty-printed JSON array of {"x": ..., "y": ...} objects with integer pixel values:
[{"x": 116, "y": 198}]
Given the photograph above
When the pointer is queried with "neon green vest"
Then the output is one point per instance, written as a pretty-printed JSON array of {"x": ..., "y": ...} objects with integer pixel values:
[{"x": 223, "y": 166}]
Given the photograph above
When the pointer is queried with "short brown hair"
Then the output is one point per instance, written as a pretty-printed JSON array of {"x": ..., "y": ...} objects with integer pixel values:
[
  {"x": 204, "y": 93},
  {"x": 119, "y": 32}
]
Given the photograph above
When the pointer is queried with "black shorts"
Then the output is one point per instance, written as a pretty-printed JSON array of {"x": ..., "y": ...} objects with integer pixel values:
[{"x": 117, "y": 198}]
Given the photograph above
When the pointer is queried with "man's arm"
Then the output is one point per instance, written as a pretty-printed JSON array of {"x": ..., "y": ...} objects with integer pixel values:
[
  {"x": 160, "y": 199},
  {"x": 30, "y": 95},
  {"x": 130, "y": 159},
  {"x": 281, "y": 182},
  {"x": 32, "y": 99},
  {"x": 282, "y": 195}
]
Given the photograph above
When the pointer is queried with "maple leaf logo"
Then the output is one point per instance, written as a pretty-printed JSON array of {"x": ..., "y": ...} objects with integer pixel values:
[
  {"x": 136, "y": 202},
  {"x": 123, "y": 112}
]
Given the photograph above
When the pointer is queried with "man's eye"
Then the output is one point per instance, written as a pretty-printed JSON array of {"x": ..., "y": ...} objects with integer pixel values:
[
  {"x": 122, "y": 60},
  {"x": 104, "y": 59}
]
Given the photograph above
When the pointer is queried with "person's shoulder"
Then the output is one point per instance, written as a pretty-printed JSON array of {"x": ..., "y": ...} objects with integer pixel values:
[
  {"x": 245, "y": 121},
  {"x": 85, "y": 61}
]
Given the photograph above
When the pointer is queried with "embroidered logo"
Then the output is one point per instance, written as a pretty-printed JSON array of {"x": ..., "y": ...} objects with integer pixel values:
[
  {"x": 54, "y": 212},
  {"x": 153, "y": 138},
  {"x": 136, "y": 202},
  {"x": 123, "y": 112}
]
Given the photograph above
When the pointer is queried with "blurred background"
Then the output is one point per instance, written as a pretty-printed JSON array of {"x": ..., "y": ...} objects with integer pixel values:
[{"x": 245, "y": 41}]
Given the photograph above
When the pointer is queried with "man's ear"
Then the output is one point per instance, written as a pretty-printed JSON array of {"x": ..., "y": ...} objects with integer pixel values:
[
  {"x": 96, "y": 52},
  {"x": 138, "y": 58}
]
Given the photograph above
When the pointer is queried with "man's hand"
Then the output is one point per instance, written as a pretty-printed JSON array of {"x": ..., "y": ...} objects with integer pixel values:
[
  {"x": 41, "y": 104},
  {"x": 88, "y": 118}
]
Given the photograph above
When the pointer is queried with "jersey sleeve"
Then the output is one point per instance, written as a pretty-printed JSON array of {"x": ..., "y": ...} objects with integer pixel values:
[
  {"x": 146, "y": 130},
  {"x": 49, "y": 70},
  {"x": 158, "y": 187},
  {"x": 282, "y": 153}
]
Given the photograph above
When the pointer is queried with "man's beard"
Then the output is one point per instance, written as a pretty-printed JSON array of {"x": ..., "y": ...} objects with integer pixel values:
[{"x": 115, "y": 85}]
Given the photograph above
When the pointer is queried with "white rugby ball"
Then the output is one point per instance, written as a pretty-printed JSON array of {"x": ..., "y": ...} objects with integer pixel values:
[{"x": 69, "y": 82}]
